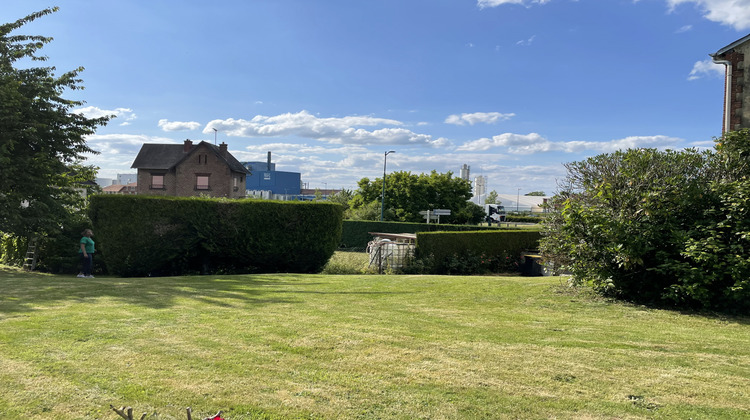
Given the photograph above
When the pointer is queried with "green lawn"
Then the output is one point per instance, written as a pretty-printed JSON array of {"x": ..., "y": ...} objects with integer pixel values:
[{"x": 357, "y": 346}]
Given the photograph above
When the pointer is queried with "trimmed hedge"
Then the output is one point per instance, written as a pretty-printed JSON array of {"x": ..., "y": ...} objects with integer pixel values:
[
  {"x": 147, "y": 235},
  {"x": 439, "y": 247},
  {"x": 355, "y": 233},
  {"x": 524, "y": 219}
]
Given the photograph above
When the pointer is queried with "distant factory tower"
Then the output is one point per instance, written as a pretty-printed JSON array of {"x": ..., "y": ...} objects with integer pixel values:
[
  {"x": 480, "y": 189},
  {"x": 465, "y": 171}
]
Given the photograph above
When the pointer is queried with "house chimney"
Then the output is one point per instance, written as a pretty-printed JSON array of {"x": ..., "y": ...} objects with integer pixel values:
[
  {"x": 223, "y": 149},
  {"x": 269, "y": 161},
  {"x": 188, "y": 146}
]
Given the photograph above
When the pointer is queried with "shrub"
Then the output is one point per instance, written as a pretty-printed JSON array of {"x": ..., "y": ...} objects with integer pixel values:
[
  {"x": 624, "y": 216},
  {"x": 12, "y": 249},
  {"x": 659, "y": 227}
]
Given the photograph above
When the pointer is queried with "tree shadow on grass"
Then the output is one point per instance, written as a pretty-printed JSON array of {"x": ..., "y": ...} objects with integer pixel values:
[
  {"x": 22, "y": 291},
  {"x": 588, "y": 294}
]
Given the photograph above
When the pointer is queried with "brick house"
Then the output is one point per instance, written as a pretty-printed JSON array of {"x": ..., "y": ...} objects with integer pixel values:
[
  {"x": 128, "y": 189},
  {"x": 736, "y": 97},
  {"x": 189, "y": 170}
]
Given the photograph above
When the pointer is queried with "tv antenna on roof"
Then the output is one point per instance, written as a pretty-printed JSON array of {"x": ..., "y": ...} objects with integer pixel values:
[{"x": 215, "y": 132}]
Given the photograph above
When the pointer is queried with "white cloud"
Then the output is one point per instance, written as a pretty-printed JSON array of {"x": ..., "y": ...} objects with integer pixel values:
[
  {"x": 706, "y": 68},
  {"x": 734, "y": 13},
  {"x": 495, "y": 3},
  {"x": 343, "y": 130},
  {"x": 526, "y": 42},
  {"x": 136, "y": 139},
  {"x": 703, "y": 145},
  {"x": 525, "y": 144},
  {"x": 684, "y": 29},
  {"x": 117, "y": 151},
  {"x": 514, "y": 142},
  {"x": 478, "y": 117},
  {"x": 125, "y": 114},
  {"x": 178, "y": 125}
]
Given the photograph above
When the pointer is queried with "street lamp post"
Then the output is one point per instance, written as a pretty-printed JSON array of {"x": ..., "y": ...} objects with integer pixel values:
[
  {"x": 382, "y": 197},
  {"x": 518, "y": 198}
]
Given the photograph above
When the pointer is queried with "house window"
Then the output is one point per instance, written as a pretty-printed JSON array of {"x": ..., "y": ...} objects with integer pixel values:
[
  {"x": 202, "y": 159},
  {"x": 157, "y": 181},
  {"x": 201, "y": 182}
]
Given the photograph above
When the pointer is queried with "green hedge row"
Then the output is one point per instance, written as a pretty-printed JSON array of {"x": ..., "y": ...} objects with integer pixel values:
[
  {"x": 524, "y": 219},
  {"x": 143, "y": 235},
  {"x": 355, "y": 233},
  {"x": 440, "y": 247}
]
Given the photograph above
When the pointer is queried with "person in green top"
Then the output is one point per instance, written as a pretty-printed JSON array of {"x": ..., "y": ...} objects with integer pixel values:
[{"x": 87, "y": 251}]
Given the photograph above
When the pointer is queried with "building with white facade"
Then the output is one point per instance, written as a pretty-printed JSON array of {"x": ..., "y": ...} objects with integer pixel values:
[{"x": 479, "y": 189}]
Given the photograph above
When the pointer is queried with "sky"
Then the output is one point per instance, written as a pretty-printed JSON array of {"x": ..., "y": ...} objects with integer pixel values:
[{"x": 512, "y": 88}]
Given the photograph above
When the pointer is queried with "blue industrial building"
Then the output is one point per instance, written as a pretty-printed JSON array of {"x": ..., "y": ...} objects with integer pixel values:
[{"x": 266, "y": 181}]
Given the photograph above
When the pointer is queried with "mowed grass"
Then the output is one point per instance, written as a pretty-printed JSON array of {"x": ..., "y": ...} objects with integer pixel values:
[{"x": 358, "y": 346}]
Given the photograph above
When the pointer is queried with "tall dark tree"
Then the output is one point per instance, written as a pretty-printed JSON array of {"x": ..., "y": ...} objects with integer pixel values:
[{"x": 42, "y": 142}]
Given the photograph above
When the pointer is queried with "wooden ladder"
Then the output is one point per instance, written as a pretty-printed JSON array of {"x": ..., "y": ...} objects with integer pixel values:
[{"x": 29, "y": 262}]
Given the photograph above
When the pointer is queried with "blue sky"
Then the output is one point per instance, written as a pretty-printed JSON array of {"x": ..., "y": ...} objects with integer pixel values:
[{"x": 512, "y": 88}]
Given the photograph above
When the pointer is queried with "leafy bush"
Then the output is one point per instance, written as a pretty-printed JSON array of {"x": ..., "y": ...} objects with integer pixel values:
[
  {"x": 12, "y": 249},
  {"x": 659, "y": 227},
  {"x": 624, "y": 217},
  {"x": 714, "y": 270}
]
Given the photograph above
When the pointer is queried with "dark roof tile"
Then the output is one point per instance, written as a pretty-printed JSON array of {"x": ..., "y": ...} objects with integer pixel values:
[{"x": 167, "y": 156}]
